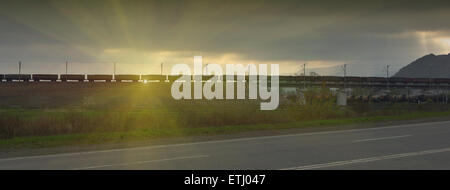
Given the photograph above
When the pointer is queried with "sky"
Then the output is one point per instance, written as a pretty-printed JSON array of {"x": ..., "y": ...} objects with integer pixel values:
[{"x": 138, "y": 35}]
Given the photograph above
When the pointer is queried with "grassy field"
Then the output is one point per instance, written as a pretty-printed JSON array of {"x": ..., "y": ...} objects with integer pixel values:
[
  {"x": 42, "y": 115},
  {"x": 148, "y": 134}
]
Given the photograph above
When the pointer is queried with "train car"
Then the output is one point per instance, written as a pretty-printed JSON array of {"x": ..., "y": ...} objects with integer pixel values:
[
  {"x": 285, "y": 78},
  {"x": 421, "y": 80},
  {"x": 48, "y": 77},
  {"x": 363, "y": 79},
  {"x": 442, "y": 80},
  {"x": 207, "y": 77},
  {"x": 73, "y": 77},
  {"x": 13, "y": 77},
  {"x": 302, "y": 78},
  {"x": 2, "y": 77},
  {"x": 376, "y": 79},
  {"x": 229, "y": 78},
  {"x": 242, "y": 78},
  {"x": 309, "y": 78},
  {"x": 353, "y": 79},
  {"x": 202, "y": 77},
  {"x": 398, "y": 80},
  {"x": 153, "y": 77},
  {"x": 173, "y": 78},
  {"x": 331, "y": 79},
  {"x": 297, "y": 79},
  {"x": 92, "y": 78},
  {"x": 247, "y": 77},
  {"x": 289, "y": 79},
  {"x": 133, "y": 78}
]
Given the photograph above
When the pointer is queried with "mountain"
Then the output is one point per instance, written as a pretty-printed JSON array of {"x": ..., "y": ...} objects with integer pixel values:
[{"x": 429, "y": 66}]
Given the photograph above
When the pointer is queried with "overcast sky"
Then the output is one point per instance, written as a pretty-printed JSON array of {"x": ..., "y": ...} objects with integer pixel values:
[{"x": 139, "y": 35}]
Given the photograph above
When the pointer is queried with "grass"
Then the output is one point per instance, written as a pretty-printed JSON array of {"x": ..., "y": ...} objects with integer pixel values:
[
  {"x": 56, "y": 114},
  {"x": 145, "y": 134}
]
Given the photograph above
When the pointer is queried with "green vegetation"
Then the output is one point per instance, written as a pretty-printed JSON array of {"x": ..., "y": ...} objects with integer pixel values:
[
  {"x": 43, "y": 115},
  {"x": 142, "y": 134}
]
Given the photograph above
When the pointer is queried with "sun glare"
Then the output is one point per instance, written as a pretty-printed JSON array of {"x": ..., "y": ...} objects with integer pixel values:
[{"x": 445, "y": 42}]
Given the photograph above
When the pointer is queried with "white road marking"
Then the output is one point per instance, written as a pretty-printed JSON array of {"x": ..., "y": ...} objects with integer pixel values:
[
  {"x": 221, "y": 141},
  {"x": 141, "y": 162},
  {"x": 371, "y": 159},
  {"x": 383, "y": 138}
]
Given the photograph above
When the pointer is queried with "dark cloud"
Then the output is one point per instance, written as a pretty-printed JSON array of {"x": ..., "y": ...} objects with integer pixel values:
[{"x": 365, "y": 33}]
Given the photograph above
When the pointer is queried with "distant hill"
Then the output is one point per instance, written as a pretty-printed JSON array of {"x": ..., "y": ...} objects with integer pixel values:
[{"x": 429, "y": 66}]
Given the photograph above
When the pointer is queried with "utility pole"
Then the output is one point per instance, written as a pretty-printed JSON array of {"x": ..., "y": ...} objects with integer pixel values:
[
  {"x": 387, "y": 76},
  {"x": 344, "y": 68},
  {"x": 67, "y": 68},
  {"x": 20, "y": 70},
  {"x": 114, "y": 70},
  {"x": 304, "y": 76},
  {"x": 162, "y": 66},
  {"x": 429, "y": 78}
]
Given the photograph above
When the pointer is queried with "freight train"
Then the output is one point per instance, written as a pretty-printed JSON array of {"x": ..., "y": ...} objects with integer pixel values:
[{"x": 283, "y": 79}]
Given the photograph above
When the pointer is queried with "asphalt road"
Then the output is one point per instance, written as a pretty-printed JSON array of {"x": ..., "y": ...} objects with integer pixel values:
[{"x": 411, "y": 146}]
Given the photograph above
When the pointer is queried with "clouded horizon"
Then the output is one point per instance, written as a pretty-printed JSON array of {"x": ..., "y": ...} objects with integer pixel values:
[{"x": 139, "y": 35}]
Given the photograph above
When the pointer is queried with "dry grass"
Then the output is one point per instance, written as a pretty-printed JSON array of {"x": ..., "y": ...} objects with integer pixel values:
[{"x": 29, "y": 110}]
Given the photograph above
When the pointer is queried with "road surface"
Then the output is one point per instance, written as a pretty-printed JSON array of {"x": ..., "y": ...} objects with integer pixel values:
[{"x": 411, "y": 146}]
